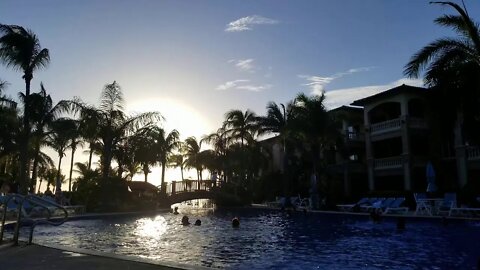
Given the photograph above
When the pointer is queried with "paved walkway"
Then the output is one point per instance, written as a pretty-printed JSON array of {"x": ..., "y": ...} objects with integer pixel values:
[{"x": 35, "y": 257}]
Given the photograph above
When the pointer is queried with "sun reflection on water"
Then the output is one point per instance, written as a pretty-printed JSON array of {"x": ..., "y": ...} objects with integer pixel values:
[{"x": 151, "y": 228}]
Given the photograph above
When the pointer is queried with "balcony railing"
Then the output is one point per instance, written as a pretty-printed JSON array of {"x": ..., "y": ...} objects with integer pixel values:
[
  {"x": 388, "y": 163},
  {"x": 389, "y": 125},
  {"x": 473, "y": 152},
  {"x": 396, "y": 124}
]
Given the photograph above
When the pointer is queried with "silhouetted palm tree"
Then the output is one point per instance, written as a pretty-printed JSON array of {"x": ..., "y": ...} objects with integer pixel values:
[
  {"x": 240, "y": 125},
  {"x": 20, "y": 49},
  {"x": 448, "y": 53},
  {"x": 74, "y": 141},
  {"x": 192, "y": 150},
  {"x": 164, "y": 145},
  {"x": 112, "y": 122},
  {"x": 58, "y": 140},
  {"x": 452, "y": 68},
  {"x": 311, "y": 124},
  {"x": 177, "y": 161},
  {"x": 43, "y": 113}
]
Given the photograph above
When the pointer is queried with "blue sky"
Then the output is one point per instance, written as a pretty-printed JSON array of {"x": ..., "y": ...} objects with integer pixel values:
[{"x": 195, "y": 60}]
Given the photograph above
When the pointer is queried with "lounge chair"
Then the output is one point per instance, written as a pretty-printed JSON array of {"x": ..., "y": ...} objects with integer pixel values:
[
  {"x": 349, "y": 207},
  {"x": 381, "y": 204},
  {"x": 449, "y": 202},
  {"x": 395, "y": 207},
  {"x": 422, "y": 206}
]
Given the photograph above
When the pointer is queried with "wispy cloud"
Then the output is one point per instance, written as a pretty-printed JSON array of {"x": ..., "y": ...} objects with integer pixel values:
[
  {"x": 246, "y": 23},
  {"x": 243, "y": 85},
  {"x": 339, "y": 97},
  {"x": 317, "y": 83},
  {"x": 255, "y": 88},
  {"x": 244, "y": 64},
  {"x": 230, "y": 84}
]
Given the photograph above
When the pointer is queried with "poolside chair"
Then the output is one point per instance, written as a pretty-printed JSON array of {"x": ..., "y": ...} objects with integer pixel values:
[
  {"x": 449, "y": 202},
  {"x": 349, "y": 207},
  {"x": 380, "y": 204},
  {"x": 395, "y": 207},
  {"x": 422, "y": 206}
]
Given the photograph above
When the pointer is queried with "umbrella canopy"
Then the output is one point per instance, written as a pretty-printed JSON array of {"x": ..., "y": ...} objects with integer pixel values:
[{"x": 430, "y": 174}]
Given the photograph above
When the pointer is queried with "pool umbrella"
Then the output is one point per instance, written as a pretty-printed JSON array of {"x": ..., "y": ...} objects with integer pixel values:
[{"x": 430, "y": 173}]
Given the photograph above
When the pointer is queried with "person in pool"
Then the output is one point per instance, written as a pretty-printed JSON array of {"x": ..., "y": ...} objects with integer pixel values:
[
  {"x": 185, "y": 221},
  {"x": 175, "y": 211},
  {"x": 198, "y": 222},
  {"x": 235, "y": 222}
]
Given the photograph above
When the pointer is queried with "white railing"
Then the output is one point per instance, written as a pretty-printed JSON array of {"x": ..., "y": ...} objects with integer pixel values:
[
  {"x": 388, "y": 163},
  {"x": 389, "y": 125},
  {"x": 473, "y": 152}
]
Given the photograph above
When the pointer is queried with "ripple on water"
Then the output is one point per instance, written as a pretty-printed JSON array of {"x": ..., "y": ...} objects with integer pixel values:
[{"x": 274, "y": 240}]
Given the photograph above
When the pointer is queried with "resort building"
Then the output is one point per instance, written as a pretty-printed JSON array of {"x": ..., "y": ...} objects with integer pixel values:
[
  {"x": 396, "y": 138},
  {"x": 347, "y": 159},
  {"x": 385, "y": 143}
]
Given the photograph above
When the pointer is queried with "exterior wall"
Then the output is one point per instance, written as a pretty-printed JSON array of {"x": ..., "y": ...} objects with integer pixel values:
[{"x": 405, "y": 160}]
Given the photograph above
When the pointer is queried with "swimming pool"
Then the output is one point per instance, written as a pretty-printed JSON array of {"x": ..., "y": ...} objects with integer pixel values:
[{"x": 270, "y": 239}]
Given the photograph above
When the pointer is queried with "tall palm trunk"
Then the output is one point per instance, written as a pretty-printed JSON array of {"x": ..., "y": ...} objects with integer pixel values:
[
  {"x": 90, "y": 156},
  {"x": 71, "y": 169},
  {"x": 106, "y": 158},
  {"x": 146, "y": 170},
  {"x": 164, "y": 164},
  {"x": 24, "y": 160},
  {"x": 33, "y": 180},
  {"x": 58, "y": 183},
  {"x": 39, "y": 185}
]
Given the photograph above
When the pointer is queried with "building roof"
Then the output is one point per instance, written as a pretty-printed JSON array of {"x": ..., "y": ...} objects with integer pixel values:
[
  {"x": 347, "y": 108},
  {"x": 390, "y": 92},
  {"x": 141, "y": 186}
]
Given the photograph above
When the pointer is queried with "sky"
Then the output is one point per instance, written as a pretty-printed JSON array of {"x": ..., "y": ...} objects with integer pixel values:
[{"x": 195, "y": 60}]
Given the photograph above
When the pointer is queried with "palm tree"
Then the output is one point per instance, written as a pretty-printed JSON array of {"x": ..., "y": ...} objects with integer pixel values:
[
  {"x": 112, "y": 122},
  {"x": 448, "y": 53},
  {"x": 164, "y": 144},
  {"x": 278, "y": 121},
  {"x": 311, "y": 124},
  {"x": 452, "y": 68},
  {"x": 144, "y": 152},
  {"x": 75, "y": 141},
  {"x": 177, "y": 161},
  {"x": 192, "y": 150},
  {"x": 240, "y": 125},
  {"x": 218, "y": 140},
  {"x": 43, "y": 113},
  {"x": 58, "y": 140},
  {"x": 20, "y": 49}
]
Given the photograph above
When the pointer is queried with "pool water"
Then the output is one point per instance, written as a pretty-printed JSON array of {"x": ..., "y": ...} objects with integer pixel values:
[{"x": 270, "y": 239}]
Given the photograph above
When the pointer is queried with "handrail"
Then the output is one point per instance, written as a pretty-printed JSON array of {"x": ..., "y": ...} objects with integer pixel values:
[{"x": 35, "y": 200}]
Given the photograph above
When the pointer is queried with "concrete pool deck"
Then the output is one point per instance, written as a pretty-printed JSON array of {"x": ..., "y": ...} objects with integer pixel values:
[{"x": 39, "y": 257}]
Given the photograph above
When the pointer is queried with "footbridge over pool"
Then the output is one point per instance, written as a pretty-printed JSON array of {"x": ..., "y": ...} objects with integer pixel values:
[{"x": 180, "y": 191}]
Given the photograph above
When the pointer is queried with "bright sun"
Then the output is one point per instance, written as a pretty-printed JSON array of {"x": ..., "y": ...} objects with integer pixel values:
[{"x": 177, "y": 115}]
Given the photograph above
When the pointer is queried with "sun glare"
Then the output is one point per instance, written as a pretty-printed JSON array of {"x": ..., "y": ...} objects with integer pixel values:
[{"x": 179, "y": 116}]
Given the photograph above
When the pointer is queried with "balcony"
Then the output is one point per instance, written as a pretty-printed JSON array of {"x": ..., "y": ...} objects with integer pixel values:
[
  {"x": 386, "y": 126},
  {"x": 396, "y": 124},
  {"x": 473, "y": 153},
  {"x": 388, "y": 163}
]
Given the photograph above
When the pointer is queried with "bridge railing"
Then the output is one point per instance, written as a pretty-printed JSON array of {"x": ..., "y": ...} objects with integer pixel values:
[{"x": 188, "y": 186}]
